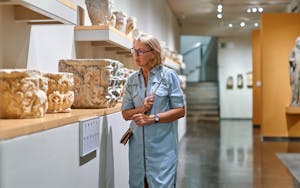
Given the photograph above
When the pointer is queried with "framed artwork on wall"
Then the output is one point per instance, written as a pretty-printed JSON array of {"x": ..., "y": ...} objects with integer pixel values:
[
  {"x": 240, "y": 81},
  {"x": 249, "y": 79},
  {"x": 229, "y": 82}
]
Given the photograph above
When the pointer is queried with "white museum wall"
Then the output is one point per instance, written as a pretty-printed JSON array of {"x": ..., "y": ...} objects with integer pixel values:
[
  {"x": 235, "y": 58},
  {"x": 45, "y": 52},
  {"x": 154, "y": 17},
  {"x": 14, "y": 40}
]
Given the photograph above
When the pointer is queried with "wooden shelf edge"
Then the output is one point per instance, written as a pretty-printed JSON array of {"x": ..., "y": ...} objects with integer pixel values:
[
  {"x": 11, "y": 128},
  {"x": 69, "y": 4},
  {"x": 91, "y": 27},
  {"x": 295, "y": 110}
]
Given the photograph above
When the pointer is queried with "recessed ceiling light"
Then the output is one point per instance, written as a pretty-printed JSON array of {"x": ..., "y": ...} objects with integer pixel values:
[
  {"x": 256, "y": 24},
  {"x": 220, "y": 6},
  {"x": 242, "y": 24},
  {"x": 249, "y": 10},
  {"x": 219, "y": 16},
  {"x": 260, "y": 9},
  {"x": 230, "y": 25},
  {"x": 254, "y": 9}
]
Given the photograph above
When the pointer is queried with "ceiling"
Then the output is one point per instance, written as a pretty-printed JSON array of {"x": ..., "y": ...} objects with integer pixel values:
[{"x": 203, "y": 14}]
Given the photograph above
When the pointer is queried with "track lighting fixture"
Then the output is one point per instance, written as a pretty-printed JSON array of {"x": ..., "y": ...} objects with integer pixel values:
[{"x": 220, "y": 10}]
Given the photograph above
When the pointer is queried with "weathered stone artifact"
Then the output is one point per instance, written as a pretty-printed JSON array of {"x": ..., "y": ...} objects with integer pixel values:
[
  {"x": 130, "y": 25},
  {"x": 99, "y": 11},
  {"x": 98, "y": 82},
  {"x": 119, "y": 75},
  {"x": 294, "y": 69},
  {"x": 112, "y": 20},
  {"x": 120, "y": 20},
  {"x": 22, "y": 93},
  {"x": 60, "y": 94}
]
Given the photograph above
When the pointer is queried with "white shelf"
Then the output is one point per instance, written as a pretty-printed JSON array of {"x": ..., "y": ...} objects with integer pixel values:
[
  {"x": 44, "y": 11},
  {"x": 105, "y": 35}
]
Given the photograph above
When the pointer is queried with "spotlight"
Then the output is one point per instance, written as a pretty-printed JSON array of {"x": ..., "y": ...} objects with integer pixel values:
[
  {"x": 220, "y": 6},
  {"x": 219, "y": 9},
  {"x": 219, "y": 15}
]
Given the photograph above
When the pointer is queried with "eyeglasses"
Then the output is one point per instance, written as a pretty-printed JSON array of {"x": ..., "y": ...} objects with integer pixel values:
[{"x": 138, "y": 52}]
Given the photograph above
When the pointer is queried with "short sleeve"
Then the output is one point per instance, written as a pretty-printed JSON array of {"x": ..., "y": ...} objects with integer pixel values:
[
  {"x": 175, "y": 92},
  {"x": 127, "y": 102}
]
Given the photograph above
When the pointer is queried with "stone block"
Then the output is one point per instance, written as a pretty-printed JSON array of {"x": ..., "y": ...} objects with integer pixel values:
[
  {"x": 97, "y": 82},
  {"x": 60, "y": 92},
  {"x": 22, "y": 93}
]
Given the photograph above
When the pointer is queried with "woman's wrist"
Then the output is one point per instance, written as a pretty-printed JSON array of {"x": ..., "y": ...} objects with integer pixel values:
[
  {"x": 143, "y": 109},
  {"x": 152, "y": 118}
]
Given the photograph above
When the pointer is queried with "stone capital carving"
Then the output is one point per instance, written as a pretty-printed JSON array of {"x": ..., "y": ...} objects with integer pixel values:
[
  {"x": 98, "y": 83},
  {"x": 22, "y": 93},
  {"x": 91, "y": 78},
  {"x": 60, "y": 92},
  {"x": 99, "y": 11}
]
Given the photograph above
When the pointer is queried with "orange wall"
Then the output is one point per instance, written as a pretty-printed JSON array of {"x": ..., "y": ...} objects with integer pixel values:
[
  {"x": 256, "y": 57},
  {"x": 278, "y": 34}
]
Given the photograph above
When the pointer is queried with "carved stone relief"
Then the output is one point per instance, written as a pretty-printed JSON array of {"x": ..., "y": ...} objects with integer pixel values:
[
  {"x": 22, "y": 93},
  {"x": 120, "y": 20},
  {"x": 294, "y": 69},
  {"x": 60, "y": 94},
  {"x": 98, "y": 82},
  {"x": 130, "y": 25}
]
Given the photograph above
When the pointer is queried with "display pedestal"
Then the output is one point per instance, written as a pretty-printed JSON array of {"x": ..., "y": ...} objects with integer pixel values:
[
  {"x": 291, "y": 162},
  {"x": 293, "y": 110}
]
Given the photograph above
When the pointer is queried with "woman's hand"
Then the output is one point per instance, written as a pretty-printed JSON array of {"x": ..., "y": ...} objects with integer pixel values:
[
  {"x": 145, "y": 107},
  {"x": 143, "y": 119},
  {"x": 148, "y": 102}
]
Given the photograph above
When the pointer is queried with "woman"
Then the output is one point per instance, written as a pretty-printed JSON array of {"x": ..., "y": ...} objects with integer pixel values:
[{"x": 154, "y": 102}]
